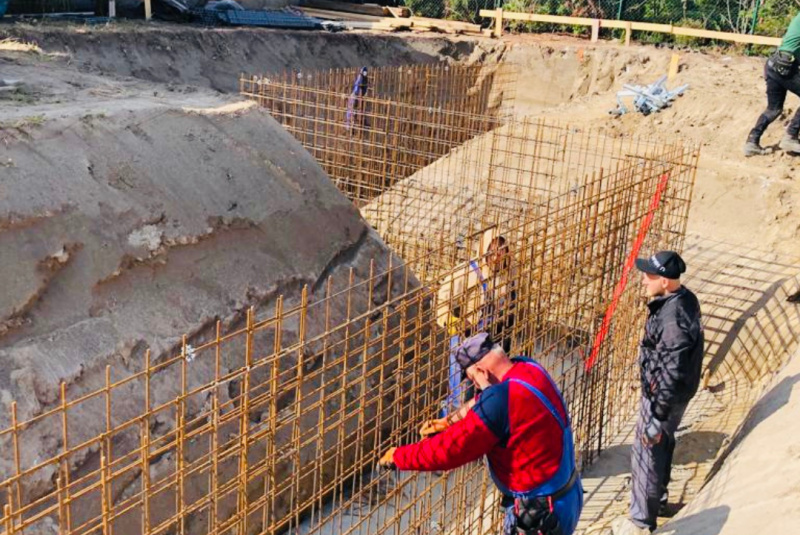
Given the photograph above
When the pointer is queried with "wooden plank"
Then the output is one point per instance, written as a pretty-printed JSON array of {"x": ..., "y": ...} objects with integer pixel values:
[
  {"x": 595, "y": 31},
  {"x": 618, "y": 24},
  {"x": 464, "y": 27},
  {"x": 338, "y": 15},
  {"x": 397, "y": 12},
  {"x": 364, "y": 9},
  {"x": 382, "y": 24},
  {"x": 726, "y": 36},
  {"x": 673, "y": 66},
  {"x": 535, "y": 17},
  {"x": 651, "y": 27},
  {"x": 629, "y": 26}
]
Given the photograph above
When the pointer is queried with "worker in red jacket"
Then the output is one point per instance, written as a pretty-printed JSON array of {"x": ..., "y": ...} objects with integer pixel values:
[{"x": 519, "y": 421}]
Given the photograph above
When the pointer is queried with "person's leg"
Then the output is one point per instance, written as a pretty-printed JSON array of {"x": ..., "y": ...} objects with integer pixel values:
[
  {"x": 568, "y": 509},
  {"x": 776, "y": 96},
  {"x": 793, "y": 84},
  {"x": 668, "y": 431},
  {"x": 644, "y": 475},
  {"x": 666, "y": 475},
  {"x": 510, "y": 521}
]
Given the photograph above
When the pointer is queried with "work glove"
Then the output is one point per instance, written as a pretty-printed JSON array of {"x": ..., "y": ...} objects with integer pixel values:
[
  {"x": 387, "y": 460},
  {"x": 652, "y": 433},
  {"x": 432, "y": 427}
]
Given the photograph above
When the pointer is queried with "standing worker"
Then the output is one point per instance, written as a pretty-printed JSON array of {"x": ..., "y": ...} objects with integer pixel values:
[
  {"x": 670, "y": 360},
  {"x": 356, "y": 107},
  {"x": 479, "y": 295},
  {"x": 520, "y": 423},
  {"x": 782, "y": 75}
]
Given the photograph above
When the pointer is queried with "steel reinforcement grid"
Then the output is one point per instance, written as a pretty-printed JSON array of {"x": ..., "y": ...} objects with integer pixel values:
[{"x": 272, "y": 422}]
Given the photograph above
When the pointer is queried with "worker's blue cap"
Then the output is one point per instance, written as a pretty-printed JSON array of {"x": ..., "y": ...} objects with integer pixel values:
[{"x": 473, "y": 349}]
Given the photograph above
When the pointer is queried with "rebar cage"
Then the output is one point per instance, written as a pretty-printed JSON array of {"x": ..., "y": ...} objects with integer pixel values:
[{"x": 273, "y": 422}]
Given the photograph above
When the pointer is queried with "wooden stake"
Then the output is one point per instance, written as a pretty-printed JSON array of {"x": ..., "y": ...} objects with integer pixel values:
[
  {"x": 595, "y": 30},
  {"x": 673, "y": 66},
  {"x": 498, "y": 24},
  {"x": 148, "y": 10},
  {"x": 628, "y": 31}
]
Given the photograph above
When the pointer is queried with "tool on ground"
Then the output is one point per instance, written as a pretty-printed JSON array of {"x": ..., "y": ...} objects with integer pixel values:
[{"x": 648, "y": 99}]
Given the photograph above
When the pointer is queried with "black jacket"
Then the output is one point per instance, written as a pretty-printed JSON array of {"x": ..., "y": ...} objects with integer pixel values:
[{"x": 671, "y": 352}]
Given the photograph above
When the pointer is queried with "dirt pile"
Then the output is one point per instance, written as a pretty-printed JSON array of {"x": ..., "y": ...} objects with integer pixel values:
[
  {"x": 214, "y": 58},
  {"x": 737, "y": 200},
  {"x": 131, "y": 215},
  {"x": 763, "y": 461}
]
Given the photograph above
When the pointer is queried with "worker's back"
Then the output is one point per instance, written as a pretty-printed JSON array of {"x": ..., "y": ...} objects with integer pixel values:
[
  {"x": 791, "y": 40},
  {"x": 531, "y": 445}
]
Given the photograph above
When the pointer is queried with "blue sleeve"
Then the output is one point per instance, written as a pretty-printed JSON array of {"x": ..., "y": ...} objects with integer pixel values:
[{"x": 492, "y": 409}]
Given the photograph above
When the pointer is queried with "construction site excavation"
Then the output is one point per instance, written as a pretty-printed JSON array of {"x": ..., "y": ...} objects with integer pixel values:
[{"x": 237, "y": 263}]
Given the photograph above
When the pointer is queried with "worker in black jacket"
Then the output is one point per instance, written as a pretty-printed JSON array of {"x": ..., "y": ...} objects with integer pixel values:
[{"x": 670, "y": 360}]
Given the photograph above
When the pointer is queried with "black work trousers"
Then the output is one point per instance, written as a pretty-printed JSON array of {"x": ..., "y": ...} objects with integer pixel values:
[
  {"x": 651, "y": 466},
  {"x": 777, "y": 88}
]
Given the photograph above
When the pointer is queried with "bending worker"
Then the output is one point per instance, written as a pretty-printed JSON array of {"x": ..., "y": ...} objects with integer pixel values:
[
  {"x": 670, "y": 360},
  {"x": 782, "y": 76},
  {"x": 520, "y": 423}
]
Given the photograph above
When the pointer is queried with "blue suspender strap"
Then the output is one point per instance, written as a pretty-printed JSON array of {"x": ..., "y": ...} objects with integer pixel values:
[
  {"x": 474, "y": 265},
  {"x": 539, "y": 367},
  {"x": 566, "y": 467},
  {"x": 546, "y": 402}
]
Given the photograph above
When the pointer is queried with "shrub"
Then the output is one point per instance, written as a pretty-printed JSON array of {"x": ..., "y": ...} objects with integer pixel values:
[{"x": 427, "y": 8}]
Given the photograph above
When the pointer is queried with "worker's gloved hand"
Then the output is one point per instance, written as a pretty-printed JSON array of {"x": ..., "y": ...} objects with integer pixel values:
[
  {"x": 387, "y": 460},
  {"x": 652, "y": 432},
  {"x": 431, "y": 427}
]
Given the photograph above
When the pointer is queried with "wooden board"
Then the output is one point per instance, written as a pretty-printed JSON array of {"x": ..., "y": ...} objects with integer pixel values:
[
  {"x": 365, "y": 9},
  {"x": 446, "y": 25},
  {"x": 636, "y": 26},
  {"x": 398, "y": 12},
  {"x": 385, "y": 24},
  {"x": 326, "y": 14}
]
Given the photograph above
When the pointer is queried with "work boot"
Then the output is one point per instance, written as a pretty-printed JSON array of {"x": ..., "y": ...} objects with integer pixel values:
[
  {"x": 790, "y": 144},
  {"x": 625, "y": 526},
  {"x": 752, "y": 148}
]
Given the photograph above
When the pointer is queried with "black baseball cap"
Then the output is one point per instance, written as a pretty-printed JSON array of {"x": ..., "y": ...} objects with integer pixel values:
[
  {"x": 473, "y": 349},
  {"x": 668, "y": 264}
]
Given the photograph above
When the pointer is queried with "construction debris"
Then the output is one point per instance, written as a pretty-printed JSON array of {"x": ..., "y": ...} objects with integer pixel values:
[
  {"x": 648, "y": 99},
  {"x": 224, "y": 5},
  {"x": 286, "y": 18},
  {"x": 382, "y": 18}
]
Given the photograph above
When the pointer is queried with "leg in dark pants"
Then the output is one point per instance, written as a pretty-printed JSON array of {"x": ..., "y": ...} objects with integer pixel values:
[
  {"x": 651, "y": 466},
  {"x": 670, "y": 450},
  {"x": 777, "y": 87}
]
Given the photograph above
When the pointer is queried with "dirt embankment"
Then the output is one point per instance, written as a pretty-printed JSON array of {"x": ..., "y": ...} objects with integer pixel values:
[
  {"x": 132, "y": 214},
  {"x": 214, "y": 58},
  {"x": 736, "y": 200}
]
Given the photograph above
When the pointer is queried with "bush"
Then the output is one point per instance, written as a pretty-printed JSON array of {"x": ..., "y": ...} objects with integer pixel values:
[
  {"x": 468, "y": 10},
  {"x": 427, "y": 8}
]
